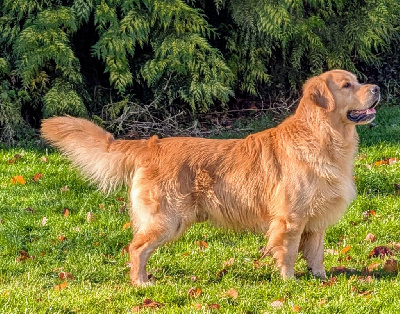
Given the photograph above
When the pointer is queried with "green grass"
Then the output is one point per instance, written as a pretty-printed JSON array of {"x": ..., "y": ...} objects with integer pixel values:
[{"x": 92, "y": 250}]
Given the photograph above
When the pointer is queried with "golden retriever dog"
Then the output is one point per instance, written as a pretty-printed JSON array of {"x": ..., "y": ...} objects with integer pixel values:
[{"x": 290, "y": 182}]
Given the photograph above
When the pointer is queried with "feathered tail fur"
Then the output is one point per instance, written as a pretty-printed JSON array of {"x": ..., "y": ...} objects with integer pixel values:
[{"x": 88, "y": 147}]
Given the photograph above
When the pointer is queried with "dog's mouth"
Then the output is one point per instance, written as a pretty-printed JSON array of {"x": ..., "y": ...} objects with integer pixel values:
[{"x": 363, "y": 116}]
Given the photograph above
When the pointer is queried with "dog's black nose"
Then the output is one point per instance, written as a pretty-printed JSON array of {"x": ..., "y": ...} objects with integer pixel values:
[{"x": 375, "y": 89}]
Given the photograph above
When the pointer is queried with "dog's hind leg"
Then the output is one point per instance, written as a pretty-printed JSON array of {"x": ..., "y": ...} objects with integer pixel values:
[
  {"x": 312, "y": 246},
  {"x": 155, "y": 221}
]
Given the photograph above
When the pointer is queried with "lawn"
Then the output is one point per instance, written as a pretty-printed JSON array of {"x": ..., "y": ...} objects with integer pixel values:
[{"x": 62, "y": 246}]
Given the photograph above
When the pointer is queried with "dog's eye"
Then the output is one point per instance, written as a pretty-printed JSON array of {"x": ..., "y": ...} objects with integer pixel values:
[{"x": 347, "y": 85}]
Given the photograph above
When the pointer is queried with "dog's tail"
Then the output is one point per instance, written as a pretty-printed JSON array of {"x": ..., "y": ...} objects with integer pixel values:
[{"x": 90, "y": 148}]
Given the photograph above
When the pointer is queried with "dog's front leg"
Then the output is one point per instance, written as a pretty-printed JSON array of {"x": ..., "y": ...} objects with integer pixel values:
[
  {"x": 283, "y": 242},
  {"x": 312, "y": 246}
]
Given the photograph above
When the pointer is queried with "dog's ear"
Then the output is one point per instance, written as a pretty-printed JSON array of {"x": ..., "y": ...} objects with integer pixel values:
[{"x": 317, "y": 91}]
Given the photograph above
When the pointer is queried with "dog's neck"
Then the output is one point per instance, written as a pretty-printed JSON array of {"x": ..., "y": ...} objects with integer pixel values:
[{"x": 329, "y": 123}]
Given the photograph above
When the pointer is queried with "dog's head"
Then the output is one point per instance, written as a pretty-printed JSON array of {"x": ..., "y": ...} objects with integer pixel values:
[{"x": 339, "y": 92}]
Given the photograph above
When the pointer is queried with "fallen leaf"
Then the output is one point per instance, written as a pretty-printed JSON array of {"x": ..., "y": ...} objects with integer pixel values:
[
  {"x": 44, "y": 221},
  {"x": 202, "y": 244},
  {"x": 121, "y": 199},
  {"x": 332, "y": 252},
  {"x": 65, "y": 188},
  {"x": 391, "y": 266},
  {"x": 198, "y": 306},
  {"x": 330, "y": 282},
  {"x": 342, "y": 270},
  {"x": 23, "y": 256},
  {"x": 37, "y": 177},
  {"x": 374, "y": 266},
  {"x": 18, "y": 179},
  {"x": 147, "y": 303},
  {"x": 193, "y": 278},
  {"x": 127, "y": 225},
  {"x": 61, "y": 238},
  {"x": 367, "y": 279},
  {"x": 90, "y": 217},
  {"x": 323, "y": 301},
  {"x": 393, "y": 160},
  {"x": 381, "y": 162},
  {"x": 380, "y": 251},
  {"x": 222, "y": 273},
  {"x": 345, "y": 249},
  {"x": 370, "y": 237},
  {"x": 64, "y": 276},
  {"x": 213, "y": 306},
  {"x": 277, "y": 304},
  {"x": 229, "y": 262},
  {"x": 65, "y": 212},
  {"x": 61, "y": 286},
  {"x": 16, "y": 158},
  {"x": 44, "y": 159},
  {"x": 232, "y": 293},
  {"x": 2, "y": 221},
  {"x": 30, "y": 210},
  {"x": 296, "y": 308},
  {"x": 194, "y": 292},
  {"x": 367, "y": 214}
]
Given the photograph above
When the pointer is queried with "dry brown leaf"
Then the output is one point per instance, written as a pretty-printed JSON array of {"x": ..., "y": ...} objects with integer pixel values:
[
  {"x": 229, "y": 262},
  {"x": 18, "y": 179},
  {"x": 37, "y": 177},
  {"x": 296, "y": 308},
  {"x": 277, "y": 303},
  {"x": 367, "y": 279},
  {"x": 330, "y": 282},
  {"x": 23, "y": 256},
  {"x": 202, "y": 244},
  {"x": 147, "y": 303},
  {"x": 65, "y": 212},
  {"x": 90, "y": 217},
  {"x": 374, "y": 266},
  {"x": 222, "y": 272},
  {"x": 198, "y": 306},
  {"x": 194, "y": 292},
  {"x": 345, "y": 249},
  {"x": 380, "y": 251},
  {"x": 370, "y": 237},
  {"x": 14, "y": 160},
  {"x": 64, "y": 276},
  {"x": 332, "y": 252},
  {"x": 232, "y": 293},
  {"x": 127, "y": 225},
  {"x": 65, "y": 188},
  {"x": 44, "y": 221},
  {"x": 61, "y": 238},
  {"x": 323, "y": 301},
  {"x": 30, "y": 210},
  {"x": 393, "y": 160},
  {"x": 391, "y": 266},
  {"x": 368, "y": 214},
  {"x": 193, "y": 278},
  {"x": 213, "y": 306},
  {"x": 61, "y": 286}
]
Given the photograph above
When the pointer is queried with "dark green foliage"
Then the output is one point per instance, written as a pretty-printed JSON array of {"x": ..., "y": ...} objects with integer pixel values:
[{"x": 76, "y": 57}]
